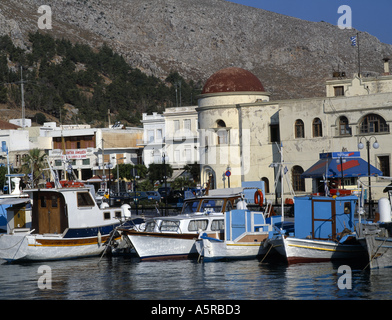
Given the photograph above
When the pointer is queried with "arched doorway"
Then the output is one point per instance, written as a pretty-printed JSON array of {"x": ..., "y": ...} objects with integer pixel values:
[{"x": 208, "y": 175}]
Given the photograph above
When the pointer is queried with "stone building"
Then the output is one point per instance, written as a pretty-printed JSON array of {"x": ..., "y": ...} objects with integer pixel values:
[{"x": 242, "y": 130}]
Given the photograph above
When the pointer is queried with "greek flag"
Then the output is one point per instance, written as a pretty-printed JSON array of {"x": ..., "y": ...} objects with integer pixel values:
[
  {"x": 4, "y": 146},
  {"x": 353, "y": 41}
]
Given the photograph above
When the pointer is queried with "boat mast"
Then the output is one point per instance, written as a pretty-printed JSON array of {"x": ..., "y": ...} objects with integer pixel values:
[{"x": 281, "y": 180}]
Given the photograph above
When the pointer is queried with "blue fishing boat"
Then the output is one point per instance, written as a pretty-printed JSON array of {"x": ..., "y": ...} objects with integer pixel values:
[
  {"x": 245, "y": 236},
  {"x": 324, "y": 230}
]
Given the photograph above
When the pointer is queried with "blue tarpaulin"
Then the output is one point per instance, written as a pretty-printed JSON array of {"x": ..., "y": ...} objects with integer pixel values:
[{"x": 338, "y": 164}]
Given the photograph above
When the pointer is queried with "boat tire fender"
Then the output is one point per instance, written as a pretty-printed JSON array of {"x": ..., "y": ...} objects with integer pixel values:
[{"x": 259, "y": 198}]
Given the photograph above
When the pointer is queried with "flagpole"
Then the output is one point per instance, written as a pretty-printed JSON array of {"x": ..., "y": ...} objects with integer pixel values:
[
  {"x": 281, "y": 181},
  {"x": 359, "y": 57}
]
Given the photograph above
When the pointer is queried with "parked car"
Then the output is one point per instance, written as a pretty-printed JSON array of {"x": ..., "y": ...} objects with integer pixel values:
[
  {"x": 99, "y": 196},
  {"x": 140, "y": 195},
  {"x": 164, "y": 192},
  {"x": 118, "y": 199},
  {"x": 153, "y": 195}
]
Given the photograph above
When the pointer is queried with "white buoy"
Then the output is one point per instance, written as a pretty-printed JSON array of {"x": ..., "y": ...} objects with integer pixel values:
[
  {"x": 384, "y": 208},
  {"x": 104, "y": 205},
  {"x": 16, "y": 181},
  {"x": 126, "y": 211}
]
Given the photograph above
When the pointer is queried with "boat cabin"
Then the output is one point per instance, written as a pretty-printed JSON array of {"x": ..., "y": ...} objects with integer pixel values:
[
  {"x": 198, "y": 214},
  {"x": 323, "y": 218},
  {"x": 56, "y": 210}
]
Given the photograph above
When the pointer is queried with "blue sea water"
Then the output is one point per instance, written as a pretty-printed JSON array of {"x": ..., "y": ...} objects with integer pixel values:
[{"x": 118, "y": 278}]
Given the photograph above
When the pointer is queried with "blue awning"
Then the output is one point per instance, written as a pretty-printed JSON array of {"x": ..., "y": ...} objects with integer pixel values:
[{"x": 330, "y": 165}]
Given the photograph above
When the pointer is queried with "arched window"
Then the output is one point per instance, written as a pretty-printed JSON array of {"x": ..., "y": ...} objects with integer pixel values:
[
  {"x": 317, "y": 128},
  {"x": 344, "y": 128},
  {"x": 266, "y": 184},
  {"x": 222, "y": 132},
  {"x": 299, "y": 129},
  {"x": 298, "y": 182},
  {"x": 221, "y": 124},
  {"x": 373, "y": 123}
]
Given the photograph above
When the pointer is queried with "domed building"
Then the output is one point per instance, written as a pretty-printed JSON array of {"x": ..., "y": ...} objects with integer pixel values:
[
  {"x": 241, "y": 130},
  {"x": 229, "y": 129}
]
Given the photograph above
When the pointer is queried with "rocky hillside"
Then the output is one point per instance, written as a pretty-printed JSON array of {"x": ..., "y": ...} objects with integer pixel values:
[{"x": 290, "y": 56}]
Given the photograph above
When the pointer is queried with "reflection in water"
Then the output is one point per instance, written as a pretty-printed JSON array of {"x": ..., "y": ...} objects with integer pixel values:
[{"x": 128, "y": 278}]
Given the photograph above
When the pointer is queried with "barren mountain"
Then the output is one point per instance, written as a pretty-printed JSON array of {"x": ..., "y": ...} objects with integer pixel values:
[{"x": 291, "y": 57}]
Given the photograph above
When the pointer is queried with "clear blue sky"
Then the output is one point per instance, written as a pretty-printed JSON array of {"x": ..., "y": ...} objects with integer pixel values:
[{"x": 374, "y": 16}]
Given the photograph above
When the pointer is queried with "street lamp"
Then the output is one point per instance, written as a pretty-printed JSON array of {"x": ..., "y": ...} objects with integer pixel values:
[
  {"x": 375, "y": 146},
  {"x": 109, "y": 166},
  {"x": 135, "y": 176},
  {"x": 341, "y": 160},
  {"x": 118, "y": 176},
  {"x": 165, "y": 177}
]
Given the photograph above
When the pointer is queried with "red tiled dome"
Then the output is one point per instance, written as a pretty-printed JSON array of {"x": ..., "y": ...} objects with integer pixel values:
[{"x": 232, "y": 80}]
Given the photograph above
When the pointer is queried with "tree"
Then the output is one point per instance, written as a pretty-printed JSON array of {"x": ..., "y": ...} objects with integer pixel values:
[
  {"x": 34, "y": 162},
  {"x": 194, "y": 171},
  {"x": 156, "y": 171},
  {"x": 40, "y": 118},
  {"x": 3, "y": 172},
  {"x": 126, "y": 171},
  {"x": 182, "y": 182}
]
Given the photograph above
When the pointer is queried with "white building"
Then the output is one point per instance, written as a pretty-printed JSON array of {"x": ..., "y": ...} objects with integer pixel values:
[
  {"x": 91, "y": 150},
  {"x": 181, "y": 138},
  {"x": 173, "y": 134},
  {"x": 153, "y": 138}
]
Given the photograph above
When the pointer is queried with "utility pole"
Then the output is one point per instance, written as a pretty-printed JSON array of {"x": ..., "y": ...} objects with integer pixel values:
[{"x": 23, "y": 102}]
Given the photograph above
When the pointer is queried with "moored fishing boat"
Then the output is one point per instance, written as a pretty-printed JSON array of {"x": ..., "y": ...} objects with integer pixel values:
[
  {"x": 323, "y": 231},
  {"x": 244, "y": 237},
  {"x": 376, "y": 236},
  {"x": 173, "y": 237},
  {"x": 60, "y": 222}
]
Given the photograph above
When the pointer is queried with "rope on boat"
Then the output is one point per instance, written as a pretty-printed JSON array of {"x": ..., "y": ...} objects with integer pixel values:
[
  {"x": 201, "y": 252},
  {"x": 107, "y": 246},
  {"x": 19, "y": 241},
  {"x": 374, "y": 255},
  {"x": 271, "y": 246}
]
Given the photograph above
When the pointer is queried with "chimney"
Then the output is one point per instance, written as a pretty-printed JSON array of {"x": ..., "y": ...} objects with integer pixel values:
[{"x": 386, "y": 66}]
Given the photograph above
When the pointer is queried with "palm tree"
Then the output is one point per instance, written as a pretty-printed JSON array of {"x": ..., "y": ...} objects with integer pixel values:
[{"x": 33, "y": 163}]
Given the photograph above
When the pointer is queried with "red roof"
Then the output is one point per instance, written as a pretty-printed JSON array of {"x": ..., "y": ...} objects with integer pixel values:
[
  {"x": 4, "y": 125},
  {"x": 232, "y": 80}
]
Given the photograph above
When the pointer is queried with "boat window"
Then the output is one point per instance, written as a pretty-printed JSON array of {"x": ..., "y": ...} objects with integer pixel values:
[
  {"x": 217, "y": 225},
  {"x": 347, "y": 207},
  {"x": 117, "y": 214},
  {"x": 170, "y": 225},
  {"x": 196, "y": 225},
  {"x": 150, "y": 226},
  {"x": 43, "y": 202},
  {"x": 229, "y": 206},
  {"x": 212, "y": 204},
  {"x": 106, "y": 215},
  {"x": 85, "y": 200},
  {"x": 190, "y": 207},
  {"x": 54, "y": 202}
]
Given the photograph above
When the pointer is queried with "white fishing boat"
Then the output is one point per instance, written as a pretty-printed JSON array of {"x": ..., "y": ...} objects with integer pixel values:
[
  {"x": 174, "y": 237},
  {"x": 323, "y": 231},
  {"x": 60, "y": 222},
  {"x": 244, "y": 237},
  {"x": 376, "y": 237}
]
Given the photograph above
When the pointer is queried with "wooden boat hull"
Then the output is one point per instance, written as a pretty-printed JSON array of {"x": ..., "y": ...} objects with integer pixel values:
[
  {"x": 379, "y": 251},
  {"x": 30, "y": 247},
  {"x": 163, "y": 246},
  {"x": 306, "y": 250},
  {"x": 212, "y": 250}
]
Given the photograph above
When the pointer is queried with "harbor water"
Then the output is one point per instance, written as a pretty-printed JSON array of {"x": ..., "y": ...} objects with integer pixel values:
[{"x": 114, "y": 278}]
